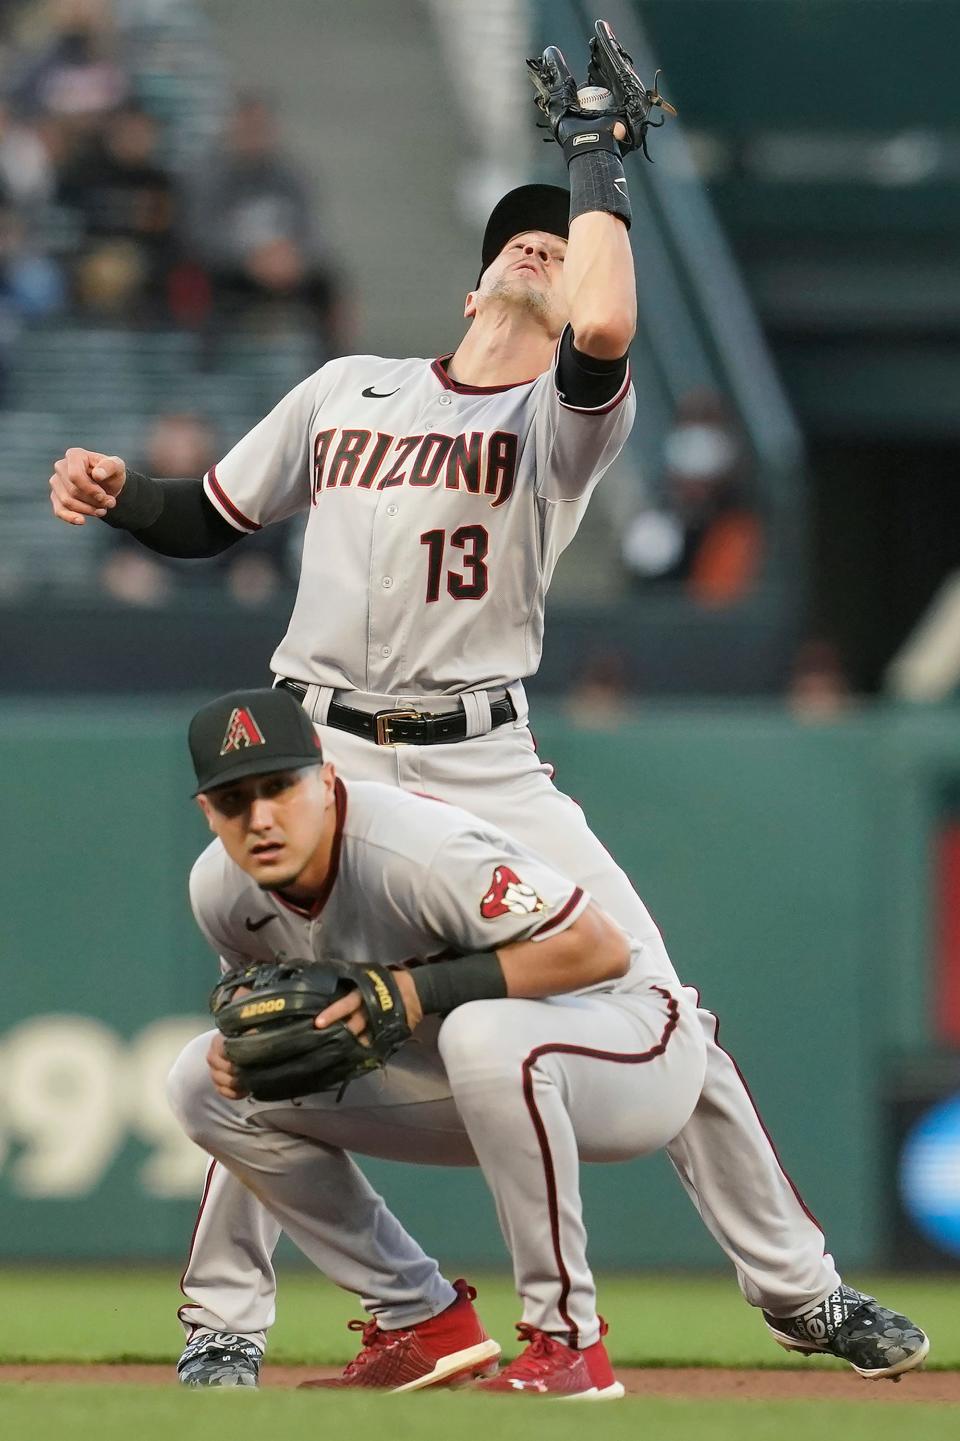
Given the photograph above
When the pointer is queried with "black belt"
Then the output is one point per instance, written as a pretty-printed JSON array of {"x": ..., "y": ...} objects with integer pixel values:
[{"x": 409, "y": 727}]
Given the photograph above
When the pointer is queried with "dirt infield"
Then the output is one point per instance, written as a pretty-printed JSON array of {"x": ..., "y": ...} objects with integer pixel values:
[{"x": 697, "y": 1384}]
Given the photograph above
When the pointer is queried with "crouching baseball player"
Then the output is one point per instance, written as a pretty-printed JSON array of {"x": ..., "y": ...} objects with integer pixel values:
[
  {"x": 522, "y": 1029},
  {"x": 538, "y": 1034}
]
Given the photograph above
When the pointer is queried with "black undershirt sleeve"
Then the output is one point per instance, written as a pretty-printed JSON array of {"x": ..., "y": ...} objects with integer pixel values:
[
  {"x": 171, "y": 517},
  {"x": 585, "y": 380}
]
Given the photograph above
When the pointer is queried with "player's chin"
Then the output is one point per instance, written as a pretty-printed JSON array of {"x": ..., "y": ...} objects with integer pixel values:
[
  {"x": 515, "y": 287},
  {"x": 534, "y": 298},
  {"x": 272, "y": 872},
  {"x": 525, "y": 283}
]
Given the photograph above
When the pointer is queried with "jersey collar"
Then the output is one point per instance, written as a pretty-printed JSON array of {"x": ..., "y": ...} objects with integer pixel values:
[
  {"x": 439, "y": 368},
  {"x": 311, "y": 912}
]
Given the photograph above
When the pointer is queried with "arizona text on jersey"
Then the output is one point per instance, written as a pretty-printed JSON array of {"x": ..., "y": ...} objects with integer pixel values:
[{"x": 436, "y": 513}]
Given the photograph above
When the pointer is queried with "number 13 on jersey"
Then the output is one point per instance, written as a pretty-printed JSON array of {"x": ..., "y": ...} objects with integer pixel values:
[{"x": 472, "y": 581}]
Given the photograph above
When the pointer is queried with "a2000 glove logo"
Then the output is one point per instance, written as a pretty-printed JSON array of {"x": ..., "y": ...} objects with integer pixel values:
[{"x": 74, "y": 1092}]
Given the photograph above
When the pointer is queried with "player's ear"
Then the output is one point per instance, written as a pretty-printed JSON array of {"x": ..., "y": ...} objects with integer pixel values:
[
  {"x": 205, "y": 806},
  {"x": 470, "y": 305}
]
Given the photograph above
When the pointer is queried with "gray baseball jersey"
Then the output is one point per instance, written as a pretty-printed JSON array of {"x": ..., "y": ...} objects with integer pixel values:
[
  {"x": 524, "y": 1088},
  {"x": 411, "y": 879},
  {"x": 436, "y": 515}
]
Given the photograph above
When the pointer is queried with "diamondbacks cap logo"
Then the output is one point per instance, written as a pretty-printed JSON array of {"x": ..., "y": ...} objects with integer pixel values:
[
  {"x": 242, "y": 731},
  {"x": 508, "y": 894}
]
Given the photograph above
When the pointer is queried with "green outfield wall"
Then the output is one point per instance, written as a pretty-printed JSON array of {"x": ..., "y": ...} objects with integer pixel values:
[{"x": 788, "y": 865}]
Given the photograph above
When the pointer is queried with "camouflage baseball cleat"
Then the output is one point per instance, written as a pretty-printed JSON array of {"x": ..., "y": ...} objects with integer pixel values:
[
  {"x": 219, "y": 1358},
  {"x": 876, "y": 1342}
]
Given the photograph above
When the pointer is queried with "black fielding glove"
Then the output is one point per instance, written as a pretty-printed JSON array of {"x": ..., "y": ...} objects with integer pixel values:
[
  {"x": 575, "y": 131},
  {"x": 270, "y": 1037},
  {"x": 578, "y": 131}
]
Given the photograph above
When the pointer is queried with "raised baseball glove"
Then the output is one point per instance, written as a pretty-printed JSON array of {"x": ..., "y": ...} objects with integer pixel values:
[
  {"x": 610, "y": 68},
  {"x": 267, "y": 1012}
]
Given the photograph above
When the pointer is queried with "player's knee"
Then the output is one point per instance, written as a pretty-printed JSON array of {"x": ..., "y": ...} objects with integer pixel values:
[
  {"x": 190, "y": 1091},
  {"x": 476, "y": 1045}
]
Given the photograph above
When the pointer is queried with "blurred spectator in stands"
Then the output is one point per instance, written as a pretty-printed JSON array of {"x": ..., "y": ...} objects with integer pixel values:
[
  {"x": 76, "y": 74},
  {"x": 178, "y": 71},
  {"x": 708, "y": 535},
  {"x": 600, "y": 697},
  {"x": 26, "y": 170},
  {"x": 128, "y": 206},
  {"x": 819, "y": 689},
  {"x": 252, "y": 222},
  {"x": 31, "y": 285},
  {"x": 187, "y": 445}
]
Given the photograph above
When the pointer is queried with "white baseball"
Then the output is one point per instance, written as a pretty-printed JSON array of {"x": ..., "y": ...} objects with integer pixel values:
[{"x": 594, "y": 97}]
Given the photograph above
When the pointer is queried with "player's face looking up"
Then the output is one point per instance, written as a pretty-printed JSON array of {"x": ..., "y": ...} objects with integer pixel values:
[
  {"x": 277, "y": 827},
  {"x": 526, "y": 277}
]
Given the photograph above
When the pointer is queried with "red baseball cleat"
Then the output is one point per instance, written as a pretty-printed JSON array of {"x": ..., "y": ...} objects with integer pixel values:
[
  {"x": 450, "y": 1347},
  {"x": 549, "y": 1368}
]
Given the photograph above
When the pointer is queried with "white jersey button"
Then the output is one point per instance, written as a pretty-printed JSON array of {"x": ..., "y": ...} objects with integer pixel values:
[
  {"x": 429, "y": 425},
  {"x": 444, "y": 399},
  {"x": 385, "y": 651},
  {"x": 387, "y": 582},
  {"x": 392, "y": 509}
]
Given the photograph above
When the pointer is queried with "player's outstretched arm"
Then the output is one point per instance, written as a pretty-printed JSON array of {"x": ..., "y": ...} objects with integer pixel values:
[
  {"x": 596, "y": 126},
  {"x": 599, "y": 279},
  {"x": 85, "y": 483},
  {"x": 170, "y": 517}
]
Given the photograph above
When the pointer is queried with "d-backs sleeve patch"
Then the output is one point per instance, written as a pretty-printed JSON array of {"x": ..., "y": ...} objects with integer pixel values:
[{"x": 507, "y": 894}]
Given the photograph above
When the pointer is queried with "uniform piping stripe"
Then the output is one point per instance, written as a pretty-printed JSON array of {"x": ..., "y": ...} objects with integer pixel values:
[
  {"x": 233, "y": 512},
  {"x": 770, "y": 1142},
  {"x": 561, "y": 915},
  {"x": 193, "y": 1239},
  {"x": 602, "y": 409},
  {"x": 564, "y": 1049}
]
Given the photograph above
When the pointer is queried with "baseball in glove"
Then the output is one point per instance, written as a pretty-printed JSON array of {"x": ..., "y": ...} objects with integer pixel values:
[
  {"x": 578, "y": 129},
  {"x": 267, "y": 1013}
]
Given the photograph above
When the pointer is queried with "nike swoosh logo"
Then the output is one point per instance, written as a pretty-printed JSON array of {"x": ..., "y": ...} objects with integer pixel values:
[
  {"x": 372, "y": 394},
  {"x": 258, "y": 925}
]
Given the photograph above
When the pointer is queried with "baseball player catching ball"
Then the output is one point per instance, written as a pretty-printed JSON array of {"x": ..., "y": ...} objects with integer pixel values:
[{"x": 439, "y": 495}]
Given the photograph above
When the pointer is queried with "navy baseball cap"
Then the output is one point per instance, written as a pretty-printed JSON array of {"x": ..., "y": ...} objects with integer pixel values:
[
  {"x": 251, "y": 733},
  {"x": 529, "y": 207}
]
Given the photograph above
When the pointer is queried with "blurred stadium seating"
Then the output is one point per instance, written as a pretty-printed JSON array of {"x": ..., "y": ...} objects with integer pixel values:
[
  {"x": 801, "y": 218},
  {"x": 109, "y": 383}
]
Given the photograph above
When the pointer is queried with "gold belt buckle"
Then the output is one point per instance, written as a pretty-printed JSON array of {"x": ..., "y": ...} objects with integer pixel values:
[{"x": 385, "y": 719}]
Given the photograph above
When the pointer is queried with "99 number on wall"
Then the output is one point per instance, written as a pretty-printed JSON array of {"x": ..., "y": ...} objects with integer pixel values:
[{"x": 72, "y": 1092}]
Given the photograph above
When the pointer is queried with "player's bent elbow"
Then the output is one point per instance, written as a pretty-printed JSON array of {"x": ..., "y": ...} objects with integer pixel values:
[
  {"x": 605, "y": 339},
  {"x": 616, "y": 956},
  {"x": 605, "y": 944}
]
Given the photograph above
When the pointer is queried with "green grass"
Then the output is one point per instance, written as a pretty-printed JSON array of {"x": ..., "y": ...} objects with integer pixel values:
[
  {"x": 115, "y": 1314},
  {"x": 31, "y": 1413},
  {"x": 108, "y": 1314}
]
